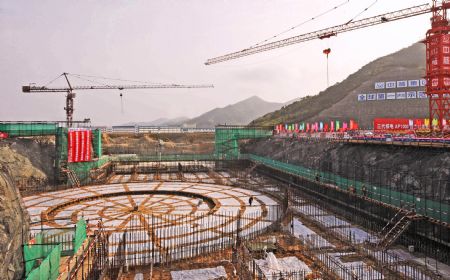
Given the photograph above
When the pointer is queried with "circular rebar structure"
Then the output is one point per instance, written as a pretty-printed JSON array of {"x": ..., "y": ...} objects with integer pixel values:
[{"x": 159, "y": 220}]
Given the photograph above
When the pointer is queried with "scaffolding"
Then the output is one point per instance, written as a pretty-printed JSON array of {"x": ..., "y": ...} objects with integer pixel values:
[{"x": 227, "y": 139}]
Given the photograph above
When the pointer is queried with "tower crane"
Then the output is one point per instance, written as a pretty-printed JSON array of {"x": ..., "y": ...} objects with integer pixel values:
[
  {"x": 70, "y": 94},
  {"x": 437, "y": 49}
]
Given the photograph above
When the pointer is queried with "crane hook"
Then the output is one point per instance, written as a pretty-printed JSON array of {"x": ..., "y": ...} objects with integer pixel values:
[{"x": 121, "y": 102}]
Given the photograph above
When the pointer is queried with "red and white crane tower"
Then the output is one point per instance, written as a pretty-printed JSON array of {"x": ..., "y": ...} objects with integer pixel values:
[
  {"x": 438, "y": 64},
  {"x": 437, "y": 50}
]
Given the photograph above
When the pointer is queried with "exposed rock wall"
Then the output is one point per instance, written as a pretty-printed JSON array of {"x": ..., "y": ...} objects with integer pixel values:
[
  {"x": 25, "y": 164},
  {"x": 40, "y": 152},
  {"x": 413, "y": 170},
  {"x": 14, "y": 226}
]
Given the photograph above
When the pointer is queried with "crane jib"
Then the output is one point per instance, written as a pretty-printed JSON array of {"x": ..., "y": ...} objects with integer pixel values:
[
  {"x": 28, "y": 89},
  {"x": 330, "y": 31}
]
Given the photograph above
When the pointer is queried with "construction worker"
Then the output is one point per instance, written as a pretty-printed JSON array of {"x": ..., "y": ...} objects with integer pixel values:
[
  {"x": 364, "y": 190},
  {"x": 250, "y": 200},
  {"x": 317, "y": 177},
  {"x": 352, "y": 189}
]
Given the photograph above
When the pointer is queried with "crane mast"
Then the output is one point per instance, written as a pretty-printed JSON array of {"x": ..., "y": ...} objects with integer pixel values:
[
  {"x": 438, "y": 65},
  {"x": 70, "y": 94}
]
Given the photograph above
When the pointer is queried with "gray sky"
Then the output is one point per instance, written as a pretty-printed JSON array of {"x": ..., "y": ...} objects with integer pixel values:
[{"x": 169, "y": 40}]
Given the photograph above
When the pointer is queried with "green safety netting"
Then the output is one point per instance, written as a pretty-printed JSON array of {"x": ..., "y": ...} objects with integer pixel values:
[
  {"x": 97, "y": 142},
  {"x": 426, "y": 207},
  {"x": 44, "y": 269},
  {"x": 49, "y": 267},
  {"x": 32, "y": 252},
  {"x": 28, "y": 128},
  {"x": 80, "y": 234},
  {"x": 82, "y": 169},
  {"x": 55, "y": 259},
  {"x": 227, "y": 137},
  {"x": 34, "y": 275}
]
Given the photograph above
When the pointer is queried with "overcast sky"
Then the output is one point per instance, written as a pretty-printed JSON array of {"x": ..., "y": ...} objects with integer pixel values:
[{"x": 168, "y": 41}]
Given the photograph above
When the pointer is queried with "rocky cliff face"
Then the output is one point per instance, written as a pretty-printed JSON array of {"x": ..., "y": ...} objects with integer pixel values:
[
  {"x": 38, "y": 152},
  {"x": 14, "y": 226},
  {"x": 413, "y": 170},
  {"x": 24, "y": 164}
]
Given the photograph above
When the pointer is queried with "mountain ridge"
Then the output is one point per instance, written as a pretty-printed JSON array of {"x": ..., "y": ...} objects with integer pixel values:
[
  {"x": 239, "y": 113},
  {"x": 340, "y": 100}
]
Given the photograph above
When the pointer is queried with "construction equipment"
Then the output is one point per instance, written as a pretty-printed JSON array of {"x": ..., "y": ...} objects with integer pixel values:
[
  {"x": 437, "y": 48},
  {"x": 70, "y": 94}
]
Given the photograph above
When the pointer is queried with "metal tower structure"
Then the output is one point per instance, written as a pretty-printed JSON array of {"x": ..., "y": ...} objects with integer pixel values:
[{"x": 438, "y": 65}]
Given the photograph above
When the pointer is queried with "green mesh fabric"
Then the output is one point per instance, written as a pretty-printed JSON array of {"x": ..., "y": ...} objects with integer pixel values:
[
  {"x": 426, "y": 207},
  {"x": 227, "y": 137},
  {"x": 49, "y": 267},
  {"x": 80, "y": 234},
  {"x": 55, "y": 258},
  {"x": 44, "y": 269},
  {"x": 28, "y": 129},
  {"x": 34, "y": 275},
  {"x": 97, "y": 142},
  {"x": 32, "y": 252}
]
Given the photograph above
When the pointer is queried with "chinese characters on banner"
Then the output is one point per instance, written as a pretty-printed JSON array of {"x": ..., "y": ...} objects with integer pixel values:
[
  {"x": 389, "y": 93},
  {"x": 380, "y": 124},
  {"x": 79, "y": 145}
]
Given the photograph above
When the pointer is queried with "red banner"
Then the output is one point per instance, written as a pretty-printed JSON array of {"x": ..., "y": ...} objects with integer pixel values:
[
  {"x": 393, "y": 124},
  {"x": 79, "y": 145}
]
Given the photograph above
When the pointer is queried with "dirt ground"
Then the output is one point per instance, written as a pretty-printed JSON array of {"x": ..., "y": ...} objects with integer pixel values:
[{"x": 177, "y": 143}]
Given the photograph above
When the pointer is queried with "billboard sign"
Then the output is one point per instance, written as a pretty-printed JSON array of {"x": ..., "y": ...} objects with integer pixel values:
[
  {"x": 402, "y": 84},
  {"x": 421, "y": 94},
  {"x": 411, "y": 95},
  {"x": 381, "y": 96},
  {"x": 391, "y": 124},
  {"x": 401, "y": 95},
  {"x": 391, "y": 84},
  {"x": 371, "y": 96},
  {"x": 390, "y": 95},
  {"x": 413, "y": 83},
  {"x": 379, "y": 85},
  {"x": 361, "y": 97}
]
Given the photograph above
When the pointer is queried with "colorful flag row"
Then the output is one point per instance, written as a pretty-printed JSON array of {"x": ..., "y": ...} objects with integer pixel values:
[{"x": 332, "y": 126}]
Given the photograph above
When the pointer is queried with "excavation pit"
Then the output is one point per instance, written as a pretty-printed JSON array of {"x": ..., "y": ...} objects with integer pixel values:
[{"x": 159, "y": 220}]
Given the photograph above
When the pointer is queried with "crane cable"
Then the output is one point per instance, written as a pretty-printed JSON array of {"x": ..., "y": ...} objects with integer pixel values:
[
  {"x": 89, "y": 80},
  {"x": 302, "y": 23},
  {"x": 362, "y": 12},
  {"x": 53, "y": 80},
  {"x": 103, "y": 84},
  {"x": 113, "y": 79}
]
